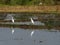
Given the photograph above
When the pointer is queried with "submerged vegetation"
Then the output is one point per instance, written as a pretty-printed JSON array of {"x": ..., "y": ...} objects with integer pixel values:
[{"x": 50, "y": 20}]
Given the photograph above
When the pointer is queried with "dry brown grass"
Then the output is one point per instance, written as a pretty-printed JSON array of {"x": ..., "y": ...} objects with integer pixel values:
[{"x": 48, "y": 9}]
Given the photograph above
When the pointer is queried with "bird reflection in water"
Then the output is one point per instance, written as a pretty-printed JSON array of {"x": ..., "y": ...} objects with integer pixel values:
[
  {"x": 32, "y": 33},
  {"x": 12, "y": 29}
]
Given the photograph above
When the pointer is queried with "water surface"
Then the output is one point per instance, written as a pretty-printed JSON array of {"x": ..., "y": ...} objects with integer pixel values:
[{"x": 23, "y": 37}]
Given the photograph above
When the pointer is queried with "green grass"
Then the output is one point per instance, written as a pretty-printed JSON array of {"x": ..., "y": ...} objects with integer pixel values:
[{"x": 27, "y": 2}]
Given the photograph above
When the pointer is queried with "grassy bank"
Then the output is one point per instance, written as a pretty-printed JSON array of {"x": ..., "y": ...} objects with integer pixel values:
[
  {"x": 29, "y": 26},
  {"x": 32, "y": 8},
  {"x": 24, "y": 26}
]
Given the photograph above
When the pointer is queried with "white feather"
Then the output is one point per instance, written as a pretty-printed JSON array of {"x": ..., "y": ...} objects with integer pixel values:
[
  {"x": 32, "y": 33},
  {"x": 32, "y": 21}
]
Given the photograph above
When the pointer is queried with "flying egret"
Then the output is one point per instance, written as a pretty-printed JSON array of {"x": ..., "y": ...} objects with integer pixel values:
[
  {"x": 32, "y": 33},
  {"x": 32, "y": 21}
]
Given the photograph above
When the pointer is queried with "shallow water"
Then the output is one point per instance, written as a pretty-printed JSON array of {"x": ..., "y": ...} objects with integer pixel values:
[
  {"x": 27, "y": 23},
  {"x": 23, "y": 37}
]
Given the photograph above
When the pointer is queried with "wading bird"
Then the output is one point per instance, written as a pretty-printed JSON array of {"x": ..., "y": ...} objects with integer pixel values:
[
  {"x": 32, "y": 21},
  {"x": 12, "y": 27},
  {"x": 33, "y": 30},
  {"x": 12, "y": 19}
]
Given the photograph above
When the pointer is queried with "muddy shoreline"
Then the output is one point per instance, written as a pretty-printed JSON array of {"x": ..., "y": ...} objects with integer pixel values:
[{"x": 29, "y": 26}]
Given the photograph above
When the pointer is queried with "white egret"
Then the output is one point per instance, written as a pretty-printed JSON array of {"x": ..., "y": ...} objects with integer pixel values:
[
  {"x": 32, "y": 21},
  {"x": 33, "y": 30},
  {"x": 32, "y": 33},
  {"x": 12, "y": 27},
  {"x": 12, "y": 20}
]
